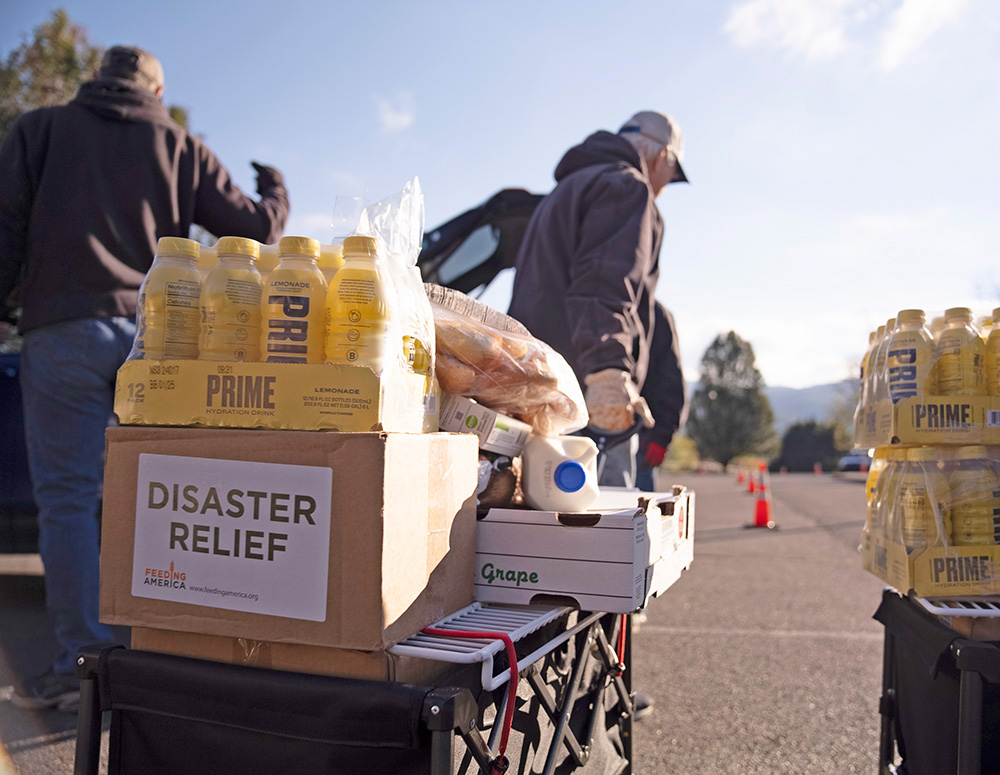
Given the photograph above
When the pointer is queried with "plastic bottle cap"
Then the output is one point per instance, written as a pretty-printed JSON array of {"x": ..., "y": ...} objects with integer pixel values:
[
  {"x": 958, "y": 313},
  {"x": 922, "y": 454},
  {"x": 570, "y": 476},
  {"x": 299, "y": 246},
  {"x": 970, "y": 452},
  {"x": 240, "y": 246},
  {"x": 331, "y": 256},
  {"x": 363, "y": 246},
  {"x": 911, "y": 316},
  {"x": 177, "y": 246},
  {"x": 996, "y": 315}
]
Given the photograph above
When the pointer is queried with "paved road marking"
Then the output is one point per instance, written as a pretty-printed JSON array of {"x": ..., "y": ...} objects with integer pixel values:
[{"x": 721, "y": 633}]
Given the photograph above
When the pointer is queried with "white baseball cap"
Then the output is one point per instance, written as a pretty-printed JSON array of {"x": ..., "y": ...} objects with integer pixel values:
[{"x": 662, "y": 129}]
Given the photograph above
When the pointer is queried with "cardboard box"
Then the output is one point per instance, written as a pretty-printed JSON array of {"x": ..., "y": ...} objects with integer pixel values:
[
  {"x": 933, "y": 571},
  {"x": 496, "y": 432},
  {"x": 352, "y": 540},
  {"x": 290, "y": 396},
  {"x": 630, "y": 547},
  {"x": 319, "y": 660},
  {"x": 933, "y": 420}
]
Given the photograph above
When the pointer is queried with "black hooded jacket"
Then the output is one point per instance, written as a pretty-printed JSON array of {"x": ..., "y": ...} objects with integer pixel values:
[
  {"x": 87, "y": 189},
  {"x": 588, "y": 266}
]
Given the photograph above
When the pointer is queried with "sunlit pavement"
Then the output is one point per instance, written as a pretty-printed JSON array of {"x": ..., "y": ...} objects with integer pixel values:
[{"x": 763, "y": 658}]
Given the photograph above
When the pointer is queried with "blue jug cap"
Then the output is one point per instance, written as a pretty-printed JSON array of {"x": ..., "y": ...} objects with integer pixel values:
[{"x": 570, "y": 476}]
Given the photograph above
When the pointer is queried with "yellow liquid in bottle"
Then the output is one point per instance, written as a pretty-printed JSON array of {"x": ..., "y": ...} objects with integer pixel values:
[
  {"x": 909, "y": 357},
  {"x": 230, "y": 312},
  {"x": 960, "y": 361},
  {"x": 169, "y": 318},
  {"x": 357, "y": 312},
  {"x": 924, "y": 497},
  {"x": 992, "y": 358},
  {"x": 975, "y": 499},
  {"x": 292, "y": 315}
]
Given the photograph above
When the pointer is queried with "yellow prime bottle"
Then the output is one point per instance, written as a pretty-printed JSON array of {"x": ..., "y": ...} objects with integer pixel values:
[
  {"x": 992, "y": 349},
  {"x": 357, "y": 308},
  {"x": 910, "y": 356},
  {"x": 924, "y": 496},
  {"x": 292, "y": 316},
  {"x": 960, "y": 356},
  {"x": 168, "y": 319},
  {"x": 975, "y": 498},
  {"x": 230, "y": 304}
]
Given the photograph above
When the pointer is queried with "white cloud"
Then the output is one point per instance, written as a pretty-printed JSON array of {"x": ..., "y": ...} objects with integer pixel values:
[
  {"x": 912, "y": 24},
  {"x": 814, "y": 29},
  {"x": 395, "y": 114},
  {"x": 825, "y": 29}
]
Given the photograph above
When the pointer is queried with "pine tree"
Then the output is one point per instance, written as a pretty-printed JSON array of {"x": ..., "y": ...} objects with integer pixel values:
[{"x": 730, "y": 415}]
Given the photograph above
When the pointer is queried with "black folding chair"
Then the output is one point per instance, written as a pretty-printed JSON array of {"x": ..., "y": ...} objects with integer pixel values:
[{"x": 940, "y": 704}]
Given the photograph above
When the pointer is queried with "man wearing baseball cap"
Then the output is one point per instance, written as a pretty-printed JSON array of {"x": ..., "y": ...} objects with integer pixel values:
[
  {"x": 87, "y": 190},
  {"x": 588, "y": 267}
]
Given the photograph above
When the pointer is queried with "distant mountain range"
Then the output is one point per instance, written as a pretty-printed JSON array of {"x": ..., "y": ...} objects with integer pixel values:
[{"x": 792, "y": 405}]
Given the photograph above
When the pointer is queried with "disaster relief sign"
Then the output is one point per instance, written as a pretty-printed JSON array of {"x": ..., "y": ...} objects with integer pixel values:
[{"x": 231, "y": 534}]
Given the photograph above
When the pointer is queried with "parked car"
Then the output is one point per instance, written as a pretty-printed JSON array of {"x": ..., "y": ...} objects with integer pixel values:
[{"x": 856, "y": 460}]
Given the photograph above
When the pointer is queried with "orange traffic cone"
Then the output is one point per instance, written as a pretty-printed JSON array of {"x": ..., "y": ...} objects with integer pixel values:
[
  {"x": 739, "y": 476},
  {"x": 817, "y": 468},
  {"x": 762, "y": 505}
]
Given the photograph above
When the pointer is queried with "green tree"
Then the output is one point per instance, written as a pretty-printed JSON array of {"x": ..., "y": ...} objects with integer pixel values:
[
  {"x": 807, "y": 443},
  {"x": 47, "y": 69},
  {"x": 730, "y": 415}
]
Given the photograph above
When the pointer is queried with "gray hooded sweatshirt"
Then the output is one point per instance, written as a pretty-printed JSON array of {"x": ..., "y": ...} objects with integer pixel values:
[{"x": 588, "y": 266}]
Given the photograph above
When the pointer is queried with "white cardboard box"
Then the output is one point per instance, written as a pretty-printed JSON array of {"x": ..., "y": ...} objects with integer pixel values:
[{"x": 630, "y": 547}]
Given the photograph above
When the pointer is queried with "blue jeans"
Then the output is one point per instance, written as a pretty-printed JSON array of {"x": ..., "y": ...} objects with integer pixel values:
[
  {"x": 618, "y": 464},
  {"x": 67, "y": 385}
]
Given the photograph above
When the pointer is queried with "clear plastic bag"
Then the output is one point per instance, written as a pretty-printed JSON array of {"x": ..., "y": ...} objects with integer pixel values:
[{"x": 486, "y": 355}]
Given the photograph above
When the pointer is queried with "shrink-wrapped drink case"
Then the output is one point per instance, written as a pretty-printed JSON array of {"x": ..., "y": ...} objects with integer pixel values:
[
  {"x": 230, "y": 304},
  {"x": 292, "y": 310},
  {"x": 167, "y": 316},
  {"x": 992, "y": 356}
]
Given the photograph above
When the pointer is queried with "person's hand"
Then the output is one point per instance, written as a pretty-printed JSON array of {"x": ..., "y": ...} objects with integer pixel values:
[
  {"x": 654, "y": 454},
  {"x": 267, "y": 177},
  {"x": 613, "y": 401}
]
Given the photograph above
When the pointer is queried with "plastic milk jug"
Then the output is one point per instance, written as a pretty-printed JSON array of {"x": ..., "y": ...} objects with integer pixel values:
[
  {"x": 230, "y": 304},
  {"x": 559, "y": 473},
  {"x": 357, "y": 308},
  {"x": 292, "y": 316},
  {"x": 169, "y": 320}
]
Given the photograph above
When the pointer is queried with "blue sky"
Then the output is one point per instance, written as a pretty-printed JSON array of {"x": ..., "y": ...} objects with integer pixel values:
[{"x": 843, "y": 153}]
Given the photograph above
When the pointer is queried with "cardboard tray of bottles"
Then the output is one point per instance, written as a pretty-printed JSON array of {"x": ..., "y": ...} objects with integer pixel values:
[
  {"x": 630, "y": 547},
  {"x": 295, "y": 396},
  {"x": 932, "y": 420},
  {"x": 933, "y": 519}
]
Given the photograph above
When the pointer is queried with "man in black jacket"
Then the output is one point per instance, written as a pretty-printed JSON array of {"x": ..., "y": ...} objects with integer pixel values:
[
  {"x": 86, "y": 191},
  {"x": 588, "y": 267}
]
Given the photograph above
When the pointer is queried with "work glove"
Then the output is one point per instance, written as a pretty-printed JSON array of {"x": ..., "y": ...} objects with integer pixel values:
[
  {"x": 613, "y": 401},
  {"x": 654, "y": 455},
  {"x": 267, "y": 177}
]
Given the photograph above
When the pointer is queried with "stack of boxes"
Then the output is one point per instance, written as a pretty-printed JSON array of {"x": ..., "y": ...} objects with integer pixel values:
[{"x": 930, "y": 406}]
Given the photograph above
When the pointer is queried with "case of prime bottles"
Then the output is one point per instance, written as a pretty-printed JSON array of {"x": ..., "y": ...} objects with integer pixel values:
[
  {"x": 629, "y": 548},
  {"x": 213, "y": 394},
  {"x": 346, "y": 540},
  {"x": 933, "y": 520},
  {"x": 931, "y": 378}
]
